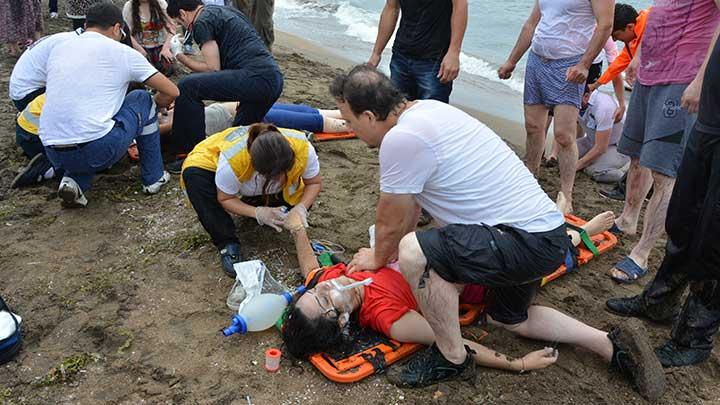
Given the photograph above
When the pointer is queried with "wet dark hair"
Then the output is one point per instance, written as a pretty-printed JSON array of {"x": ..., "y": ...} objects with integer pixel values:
[
  {"x": 304, "y": 336},
  {"x": 174, "y": 6},
  {"x": 157, "y": 15},
  {"x": 270, "y": 153},
  {"x": 103, "y": 15},
  {"x": 364, "y": 88},
  {"x": 624, "y": 14}
]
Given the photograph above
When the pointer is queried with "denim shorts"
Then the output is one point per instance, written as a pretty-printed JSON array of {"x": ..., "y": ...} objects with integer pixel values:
[{"x": 546, "y": 84}]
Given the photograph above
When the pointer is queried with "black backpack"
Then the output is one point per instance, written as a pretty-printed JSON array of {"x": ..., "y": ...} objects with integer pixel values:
[{"x": 10, "y": 346}]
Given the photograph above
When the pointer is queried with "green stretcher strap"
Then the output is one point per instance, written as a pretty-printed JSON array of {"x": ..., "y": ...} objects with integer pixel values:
[{"x": 585, "y": 239}]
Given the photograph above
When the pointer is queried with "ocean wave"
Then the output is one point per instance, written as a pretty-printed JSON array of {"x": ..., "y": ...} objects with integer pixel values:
[
  {"x": 362, "y": 24},
  {"x": 478, "y": 67}
]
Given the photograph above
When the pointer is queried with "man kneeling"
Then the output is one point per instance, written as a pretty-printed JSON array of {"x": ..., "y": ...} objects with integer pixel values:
[{"x": 499, "y": 229}]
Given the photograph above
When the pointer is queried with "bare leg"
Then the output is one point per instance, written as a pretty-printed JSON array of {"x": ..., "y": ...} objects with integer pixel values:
[
  {"x": 565, "y": 134},
  {"x": 438, "y": 300},
  {"x": 412, "y": 327},
  {"x": 331, "y": 114},
  {"x": 536, "y": 117},
  {"x": 654, "y": 224},
  {"x": 639, "y": 182},
  {"x": 550, "y": 325},
  {"x": 334, "y": 125}
]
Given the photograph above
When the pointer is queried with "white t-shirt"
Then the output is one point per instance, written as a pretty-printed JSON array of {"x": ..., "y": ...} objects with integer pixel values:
[
  {"x": 565, "y": 28},
  {"x": 86, "y": 85},
  {"x": 228, "y": 183},
  {"x": 461, "y": 172},
  {"x": 30, "y": 71},
  {"x": 600, "y": 116}
]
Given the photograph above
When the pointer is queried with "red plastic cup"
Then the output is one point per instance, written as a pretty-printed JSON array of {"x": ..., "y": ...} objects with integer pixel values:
[{"x": 272, "y": 360}]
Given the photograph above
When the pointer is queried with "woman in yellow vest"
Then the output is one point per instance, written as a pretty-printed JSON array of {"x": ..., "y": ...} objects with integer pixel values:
[{"x": 254, "y": 172}]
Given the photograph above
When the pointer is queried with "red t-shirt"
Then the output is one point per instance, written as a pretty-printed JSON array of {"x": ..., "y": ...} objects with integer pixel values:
[{"x": 387, "y": 298}]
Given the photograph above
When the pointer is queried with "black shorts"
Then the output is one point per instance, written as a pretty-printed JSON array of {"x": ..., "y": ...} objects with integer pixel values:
[{"x": 507, "y": 260}]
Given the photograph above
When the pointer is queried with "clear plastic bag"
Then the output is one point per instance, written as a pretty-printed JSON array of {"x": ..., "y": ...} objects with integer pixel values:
[{"x": 253, "y": 278}]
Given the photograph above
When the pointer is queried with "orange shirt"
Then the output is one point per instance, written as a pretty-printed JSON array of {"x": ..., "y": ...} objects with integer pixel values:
[{"x": 623, "y": 60}]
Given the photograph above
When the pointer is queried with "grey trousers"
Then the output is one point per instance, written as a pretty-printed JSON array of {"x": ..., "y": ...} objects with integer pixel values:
[
  {"x": 260, "y": 13},
  {"x": 610, "y": 167}
]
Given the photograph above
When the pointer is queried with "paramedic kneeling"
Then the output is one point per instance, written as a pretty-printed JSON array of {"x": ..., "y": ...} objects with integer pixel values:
[{"x": 500, "y": 230}]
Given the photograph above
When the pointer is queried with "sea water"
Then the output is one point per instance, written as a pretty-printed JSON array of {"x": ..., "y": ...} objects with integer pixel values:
[{"x": 349, "y": 27}]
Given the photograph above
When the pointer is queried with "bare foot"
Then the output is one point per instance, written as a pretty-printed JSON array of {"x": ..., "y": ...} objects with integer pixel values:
[
  {"x": 599, "y": 223},
  {"x": 626, "y": 228},
  {"x": 561, "y": 202}
]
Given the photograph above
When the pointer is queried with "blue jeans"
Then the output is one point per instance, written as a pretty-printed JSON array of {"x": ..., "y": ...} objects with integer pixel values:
[
  {"x": 29, "y": 143},
  {"x": 295, "y": 116},
  {"x": 417, "y": 78},
  {"x": 137, "y": 119},
  {"x": 255, "y": 88}
]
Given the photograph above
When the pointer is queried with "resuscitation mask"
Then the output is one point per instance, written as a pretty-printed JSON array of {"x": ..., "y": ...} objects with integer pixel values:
[{"x": 338, "y": 293}]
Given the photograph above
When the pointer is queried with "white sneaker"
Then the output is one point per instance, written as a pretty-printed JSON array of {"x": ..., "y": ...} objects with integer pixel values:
[
  {"x": 155, "y": 187},
  {"x": 71, "y": 194},
  {"x": 53, "y": 15}
]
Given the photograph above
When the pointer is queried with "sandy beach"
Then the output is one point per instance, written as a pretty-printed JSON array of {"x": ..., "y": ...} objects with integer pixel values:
[{"x": 123, "y": 301}]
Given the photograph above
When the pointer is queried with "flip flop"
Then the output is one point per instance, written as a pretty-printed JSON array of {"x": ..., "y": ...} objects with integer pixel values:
[
  {"x": 615, "y": 230},
  {"x": 631, "y": 269}
]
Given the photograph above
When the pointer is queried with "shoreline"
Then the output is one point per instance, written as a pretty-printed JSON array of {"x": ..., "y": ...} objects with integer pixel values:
[{"x": 510, "y": 131}]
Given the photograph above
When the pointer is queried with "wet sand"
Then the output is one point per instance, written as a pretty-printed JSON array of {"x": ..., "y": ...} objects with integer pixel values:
[{"x": 123, "y": 301}]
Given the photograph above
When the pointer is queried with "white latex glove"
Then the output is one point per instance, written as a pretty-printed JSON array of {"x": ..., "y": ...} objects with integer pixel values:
[
  {"x": 272, "y": 217},
  {"x": 302, "y": 212},
  {"x": 176, "y": 45}
]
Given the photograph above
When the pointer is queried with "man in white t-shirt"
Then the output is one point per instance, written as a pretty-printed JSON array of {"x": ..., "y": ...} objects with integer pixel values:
[
  {"x": 597, "y": 149},
  {"x": 499, "y": 228},
  {"x": 27, "y": 80},
  {"x": 564, "y": 36},
  {"x": 88, "y": 122}
]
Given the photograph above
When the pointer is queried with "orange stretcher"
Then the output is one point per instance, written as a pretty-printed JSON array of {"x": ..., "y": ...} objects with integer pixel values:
[
  {"x": 325, "y": 136},
  {"x": 602, "y": 242},
  {"x": 373, "y": 352}
]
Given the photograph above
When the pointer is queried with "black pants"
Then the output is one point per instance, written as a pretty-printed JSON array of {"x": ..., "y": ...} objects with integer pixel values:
[
  {"x": 692, "y": 253},
  {"x": 53, "y": 6},
  {"x": 256, "y": 89},
  {"x": 202, "y": 193}
]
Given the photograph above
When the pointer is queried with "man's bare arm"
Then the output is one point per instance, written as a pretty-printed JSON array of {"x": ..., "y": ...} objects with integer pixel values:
[
  {"x": 394, "y": 216},
  {"x": 211, "y": 56},
  {"x": 604, "y": 10}
]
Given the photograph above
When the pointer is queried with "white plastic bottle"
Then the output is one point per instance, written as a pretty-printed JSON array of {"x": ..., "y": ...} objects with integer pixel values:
[{"x": 259, "y": 313}]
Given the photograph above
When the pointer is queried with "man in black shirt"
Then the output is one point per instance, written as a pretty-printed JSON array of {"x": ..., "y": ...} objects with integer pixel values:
[
  {"x": 237, "y": 66},
  {"x": 692, "y": 253},
  {"x": 426, "y": 52}
]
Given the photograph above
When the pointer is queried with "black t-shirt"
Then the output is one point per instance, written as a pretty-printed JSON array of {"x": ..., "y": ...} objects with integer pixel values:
[
  {"x": 424, "y": 31},
  {"x": 238, "y": 42},
  {"x": 708, "y": 119}
]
